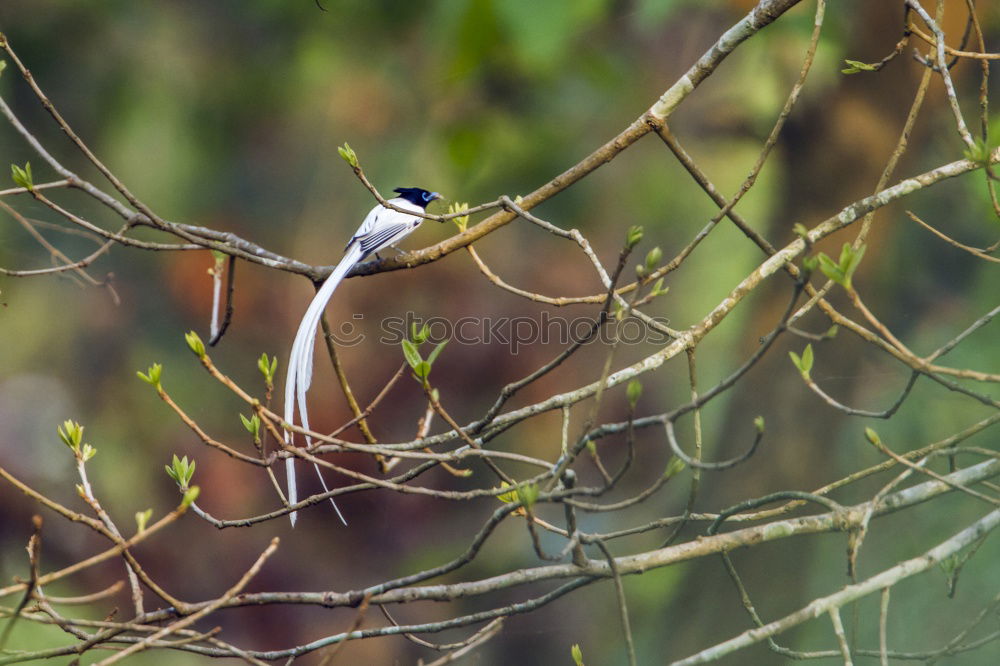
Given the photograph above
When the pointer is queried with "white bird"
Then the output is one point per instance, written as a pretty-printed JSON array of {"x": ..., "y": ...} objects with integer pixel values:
[{"x": 383, "y": 227}]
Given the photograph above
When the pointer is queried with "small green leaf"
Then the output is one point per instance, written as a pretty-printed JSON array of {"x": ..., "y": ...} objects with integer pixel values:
[
  {"x": 422, "y": 369},
  {"x": 348, "y": 154},
  {"x": 658, "y": 289},
  {"x": 801, "y": 230},
  {"x": 87, "y": 452},
  {"x": 152, "y": 376},
  {"x": 71, "y": 433},
  {"x": 142, "y": 519},
  {"x": 674, "y": 467},
  {"x": 872, "y": 437},
  {"x": 949, "y": 564},
  {"x": 267, "y": 367},
  {"x": 845, "y": 255},
  {"x": 437, "y": 351},
  {"x": 528, "y": 495},
  {"x": 436, "y": 397},
  {"x": 577, "y": 654},
  {"x": 653, "y": 258},
  {"x": 633, "y": 236},
  {"x": 979, "y": 152},
  {"x": 805, "y": 362},
  {"x": 411, "y": 354},
  {"x": 810, "y": 264},
  {"x": 509, "y": 496},
  {"x": 850, "y": 263},
  {"x": 633, "y": 392},
  {"x": 22, "y": 177},
  {"x": 252, "y": 425},
  {"x": 462, "y": 221},
  {"x": 856, "y": 66},
  {"x": 842, "y": 271},
  {"x": 195, "y": 343},
  {"x": 618, "y": 310},
  {"x": 181, "y": 471},
  {"x": 831, "y": 269},
  {"x": 3, "y": 66},
  {"x": 419, "y": 336},
  {"x": 758, "y": 423}
]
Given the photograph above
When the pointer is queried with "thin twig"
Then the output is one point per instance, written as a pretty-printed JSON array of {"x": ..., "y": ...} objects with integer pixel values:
[{"x": 194, "y": 617}]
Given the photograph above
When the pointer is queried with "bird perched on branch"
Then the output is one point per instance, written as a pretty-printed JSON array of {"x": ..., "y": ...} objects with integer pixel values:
[{"x": 383, "y": 227}]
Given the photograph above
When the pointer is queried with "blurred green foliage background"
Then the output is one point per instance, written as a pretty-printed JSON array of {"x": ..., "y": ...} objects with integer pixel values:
[{"x": 228, "y": 113}]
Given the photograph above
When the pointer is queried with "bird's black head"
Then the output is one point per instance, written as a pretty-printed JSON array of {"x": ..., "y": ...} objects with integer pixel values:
[{"x": 417, "y": 196}]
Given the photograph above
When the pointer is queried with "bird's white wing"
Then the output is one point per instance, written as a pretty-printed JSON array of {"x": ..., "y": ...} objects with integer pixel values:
[
  {"x": 384, "y": 227},
  {"x": 384, "y": 236}
]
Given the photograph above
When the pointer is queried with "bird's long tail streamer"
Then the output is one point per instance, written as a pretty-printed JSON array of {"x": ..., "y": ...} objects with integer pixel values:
[{"x": 300, "y": 367}]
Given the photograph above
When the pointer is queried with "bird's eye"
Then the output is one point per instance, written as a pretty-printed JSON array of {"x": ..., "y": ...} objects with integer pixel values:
[{"x": 426, "y": 196}]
